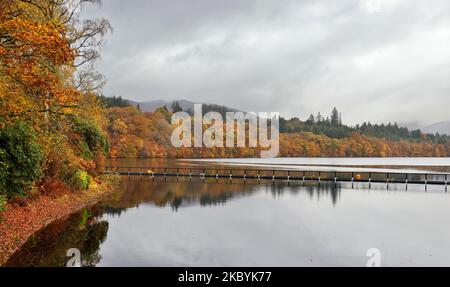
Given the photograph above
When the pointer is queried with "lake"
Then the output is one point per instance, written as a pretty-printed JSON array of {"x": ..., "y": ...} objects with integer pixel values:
[{"x": 191, "y": 222}]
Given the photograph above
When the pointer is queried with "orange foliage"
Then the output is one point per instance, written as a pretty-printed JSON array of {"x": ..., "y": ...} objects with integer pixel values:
[
  {"x": 136, "y": 134},
  {"x": 312, "y": 145},
  {"x": 34, "y": 58}
]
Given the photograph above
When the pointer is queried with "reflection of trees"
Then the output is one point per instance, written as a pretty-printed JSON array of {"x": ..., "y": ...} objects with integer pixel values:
[
  {"x": 324, "y": 191},
  {"x": 183, "y": 194},
  {"x": 49, "y": 246},
  {"x": 173, "y": 194},
  {"x": 315, "y": 191},
  {"x": 205, "y": 199},
  {"x": 86, "y": 232},
  {"x": 218, "y": 199},
  {"x": 113, "y": 210}
]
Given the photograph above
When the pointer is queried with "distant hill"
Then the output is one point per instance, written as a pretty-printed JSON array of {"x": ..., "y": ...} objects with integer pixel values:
[
  {"x": 150, "y": 106},
  {"x": 188, "y": 106},
  {"x": 411, "y": 125},
  {"x": 441, "y": 127}
]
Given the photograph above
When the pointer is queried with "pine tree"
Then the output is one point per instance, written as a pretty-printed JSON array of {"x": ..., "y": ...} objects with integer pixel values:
[
  {"x": 319, "y": 118},
  {"x": 335, "y": 117},
  {"x": 176, "y": 107}
]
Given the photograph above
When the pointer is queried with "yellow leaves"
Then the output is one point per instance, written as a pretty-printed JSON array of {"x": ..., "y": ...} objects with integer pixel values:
[
  {"x": 32, "y": 58},
  {"x": 33, "y": 40},
  {"x": 119, "y": 127},
  {"x": 91, "y": 108},
  {"x": 13, "y": 104}
]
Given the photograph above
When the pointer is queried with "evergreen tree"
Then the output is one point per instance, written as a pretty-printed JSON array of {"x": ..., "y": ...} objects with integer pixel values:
[
  {"x": 176, "y": 107},
  {"x": 335, "y": 117},
  {"x": 311, "y": 119},
  {"x": 319, "y": 118},
  {"x": 114, "y": 101}
]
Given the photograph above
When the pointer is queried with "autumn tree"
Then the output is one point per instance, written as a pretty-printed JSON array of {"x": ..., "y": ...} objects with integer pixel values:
[
  {"x": 47, "y": 80},
  {"x": 43, "y": 47}
]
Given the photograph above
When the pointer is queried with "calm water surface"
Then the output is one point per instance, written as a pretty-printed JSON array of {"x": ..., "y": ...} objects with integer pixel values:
[{"x": 170, "y": 223}]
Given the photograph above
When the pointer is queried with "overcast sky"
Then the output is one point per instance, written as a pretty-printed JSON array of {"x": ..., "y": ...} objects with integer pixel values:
[{"x": 385, "y": 60}]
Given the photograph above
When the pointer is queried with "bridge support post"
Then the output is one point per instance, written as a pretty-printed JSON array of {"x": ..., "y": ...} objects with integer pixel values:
[
  {"x": 406, "y": 181},
  {"x": 446, "y": 177},
  {"x": 353, "y": 179},
  {"x": 387, "y": 180}
]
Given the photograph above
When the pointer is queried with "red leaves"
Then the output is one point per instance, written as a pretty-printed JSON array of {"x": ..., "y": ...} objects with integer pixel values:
[{"x": 20, "y": 222}]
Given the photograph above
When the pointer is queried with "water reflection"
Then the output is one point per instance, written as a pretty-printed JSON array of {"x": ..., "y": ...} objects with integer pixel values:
[
  {"x": 184, "y": 193},
  {"x": 86, "y": 230},
  {"x": 82, "y": 230},
  {"x": 182, "y": 222}
]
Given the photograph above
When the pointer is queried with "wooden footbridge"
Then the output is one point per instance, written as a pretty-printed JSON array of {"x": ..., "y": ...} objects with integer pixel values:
[{"x": 418, "y": 178}]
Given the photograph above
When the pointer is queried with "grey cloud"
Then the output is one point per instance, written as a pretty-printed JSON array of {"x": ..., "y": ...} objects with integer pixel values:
[{"x": 385, "y": 62}]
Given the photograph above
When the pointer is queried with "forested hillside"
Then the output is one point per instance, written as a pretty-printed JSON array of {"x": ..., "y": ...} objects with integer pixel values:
[
  {"x": 137, "y": 134},
  {"x": 333, "y": 127}
]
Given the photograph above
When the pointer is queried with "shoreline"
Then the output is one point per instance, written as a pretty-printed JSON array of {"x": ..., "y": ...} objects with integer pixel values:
[{"x": 19, "y": 222}]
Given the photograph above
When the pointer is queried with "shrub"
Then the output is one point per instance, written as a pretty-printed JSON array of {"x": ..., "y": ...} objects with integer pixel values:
[
  {"x": 93, "y": 140},
  {"x": 76, "y": 178},
  {"x": 21, "y": 159},
  {"x": 86, "y": 151},
  {"x": 83, "y": 179}
]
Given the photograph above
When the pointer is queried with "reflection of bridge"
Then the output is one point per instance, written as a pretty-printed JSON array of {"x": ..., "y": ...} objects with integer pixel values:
[{"x": 422, "y": 178}]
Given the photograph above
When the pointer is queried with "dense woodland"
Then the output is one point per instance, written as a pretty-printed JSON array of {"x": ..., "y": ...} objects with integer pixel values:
[
  {"x": 52, "y": 123},
  {"x": 137, "y": 134}
]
